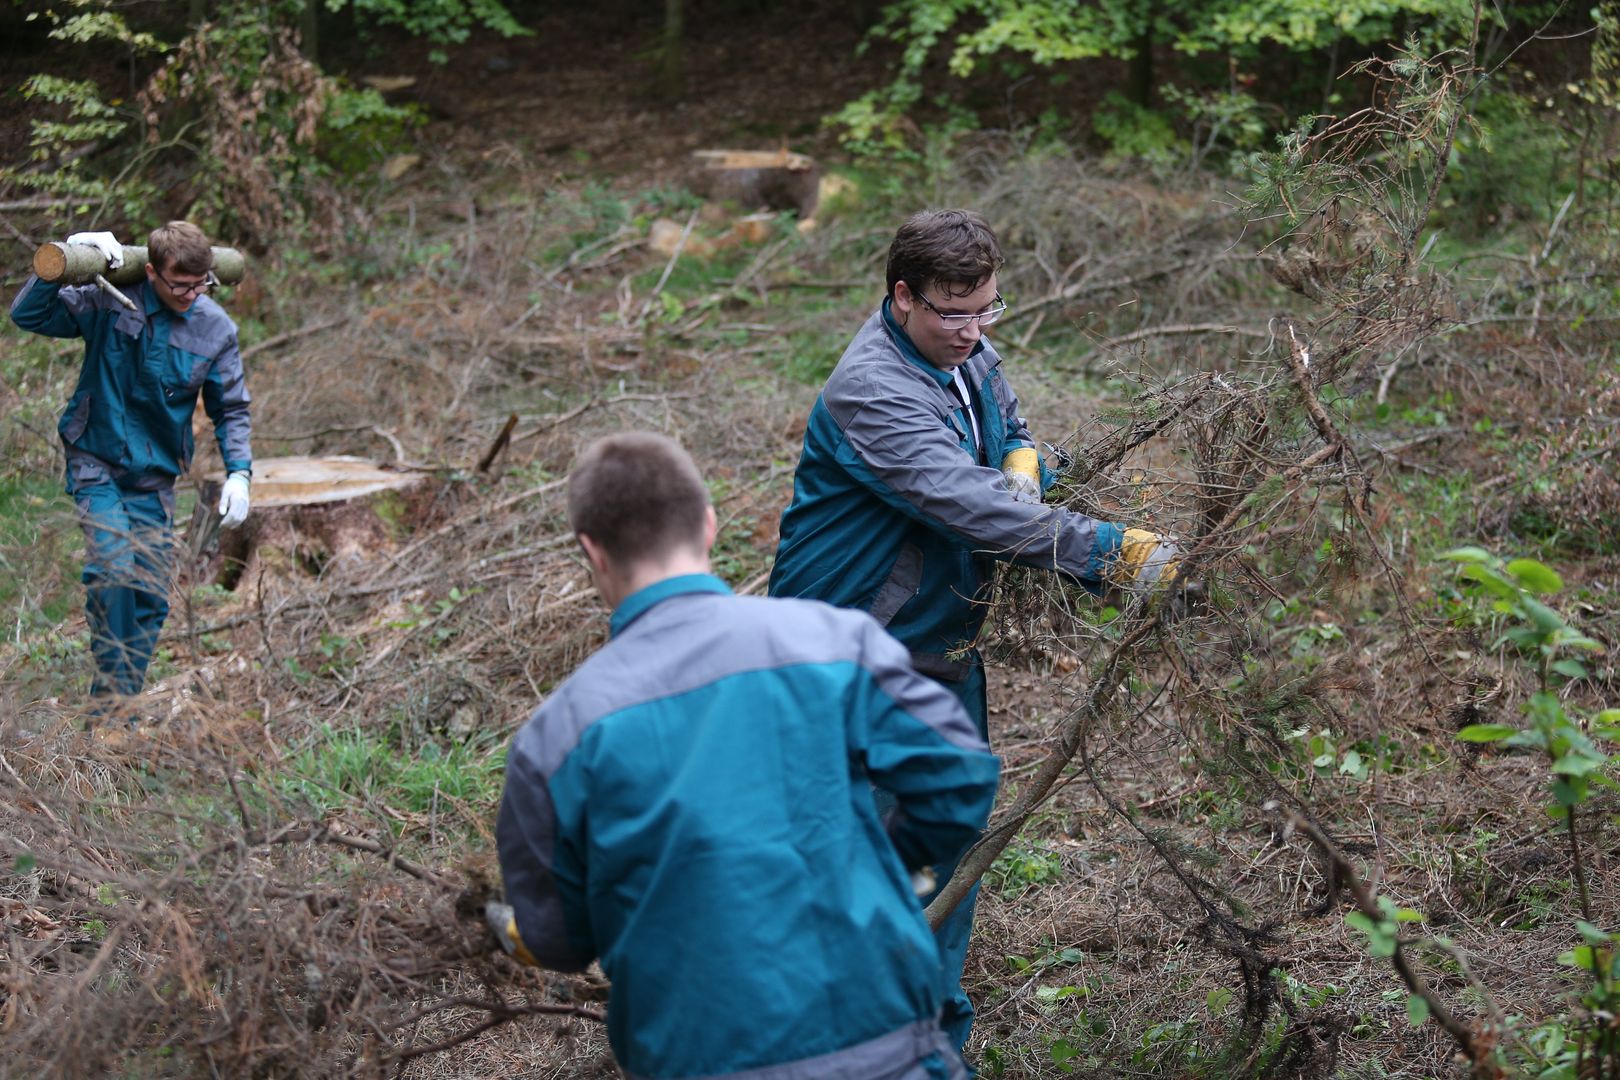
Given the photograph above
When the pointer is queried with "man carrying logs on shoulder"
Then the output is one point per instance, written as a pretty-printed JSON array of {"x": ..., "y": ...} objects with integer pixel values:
[{"x": 148, "y": 351}]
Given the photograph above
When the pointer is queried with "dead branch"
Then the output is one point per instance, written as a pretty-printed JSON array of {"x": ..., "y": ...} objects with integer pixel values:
[
  {"x": 1467, "y": 1040},
  {"x": 999, "y": 834},
  {"x": 278, "y": 340}
]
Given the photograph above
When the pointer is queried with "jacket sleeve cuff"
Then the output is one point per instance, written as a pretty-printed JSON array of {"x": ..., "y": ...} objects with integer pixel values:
[{"x": 1106, "y": 544}]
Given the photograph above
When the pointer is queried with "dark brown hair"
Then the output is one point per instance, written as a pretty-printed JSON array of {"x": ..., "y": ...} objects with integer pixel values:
[
  {"x": 952, "y": 247},
  {"x": 637, "y": 495},
  {"x": 181, "y": 246}
]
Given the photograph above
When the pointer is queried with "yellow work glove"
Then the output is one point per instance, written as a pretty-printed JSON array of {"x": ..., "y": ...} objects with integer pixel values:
[
  {"x": 503, "y": 920},
  {"x": 1145, "y": 561},
  {"x": 1021, "y": 469}
]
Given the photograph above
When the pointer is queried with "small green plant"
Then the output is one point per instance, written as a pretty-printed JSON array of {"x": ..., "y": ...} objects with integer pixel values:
[
  {"x": 1022, "y": 867},
  {"x": 1229, "y": 120},
  {"x": 339, "y": 655},
  {"x": 358, "y": 129},
  {"x": 1052, "y": 957},
  {"x": 1325, "y": 755},
  {"x": 1564, "y": 735}
]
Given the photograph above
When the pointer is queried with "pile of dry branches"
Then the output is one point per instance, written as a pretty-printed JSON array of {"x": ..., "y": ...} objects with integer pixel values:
[{"x": 1273, "y": 496}]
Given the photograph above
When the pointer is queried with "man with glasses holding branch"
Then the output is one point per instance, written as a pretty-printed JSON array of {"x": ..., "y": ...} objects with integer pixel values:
[
  {"x": 127, "y": 435},
  {"x": 917, "y": 472}
]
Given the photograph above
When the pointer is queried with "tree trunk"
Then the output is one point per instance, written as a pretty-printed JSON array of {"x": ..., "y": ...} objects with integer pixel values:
[
  {"x": 671, "y": 73},
  {"x": 75, "y": 264},
  {"x": 309, "y": 31},
  {"x": 1139, "y": 82}
]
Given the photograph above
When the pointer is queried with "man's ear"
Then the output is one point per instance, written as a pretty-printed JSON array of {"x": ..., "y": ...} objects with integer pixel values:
[
  {"x": 593, "y": 553},
  {"x": 904, "y": 303},
  {"x": 711, "y": 528}
]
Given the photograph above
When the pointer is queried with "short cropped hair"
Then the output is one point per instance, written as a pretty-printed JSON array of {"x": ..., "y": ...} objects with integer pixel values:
[
  {"x": 955, "y": 248},
  {"x": 181, "y": 246},
  {"x": 637, "y": 495}
]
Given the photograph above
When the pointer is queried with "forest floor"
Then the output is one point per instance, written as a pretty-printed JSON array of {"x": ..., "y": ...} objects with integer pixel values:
[{"x": 215, "y": 884}]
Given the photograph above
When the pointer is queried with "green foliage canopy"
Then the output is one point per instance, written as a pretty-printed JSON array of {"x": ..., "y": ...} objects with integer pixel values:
[
  {"x": 443, "y": 22},
  {"x": 1048, "y": 32},
  {"x": 974, "y": 35}
]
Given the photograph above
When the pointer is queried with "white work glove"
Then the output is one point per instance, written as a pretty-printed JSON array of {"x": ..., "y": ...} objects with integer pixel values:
[
  {"x": 1145, "y": 561},
  {"x": 1023, "y": 487},
  {"x": 233, "y": 500},
  {"x": 104, "y": 242}
]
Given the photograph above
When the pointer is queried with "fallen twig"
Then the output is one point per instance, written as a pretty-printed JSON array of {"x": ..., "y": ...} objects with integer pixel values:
[{"x": 293, "y": 335}]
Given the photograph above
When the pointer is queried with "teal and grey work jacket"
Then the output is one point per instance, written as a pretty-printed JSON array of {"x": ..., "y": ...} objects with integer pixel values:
[
  {"x": 898, "y": 511},
  {"x": 143, "y": 369},
  {"x": 693, "y": 806}
]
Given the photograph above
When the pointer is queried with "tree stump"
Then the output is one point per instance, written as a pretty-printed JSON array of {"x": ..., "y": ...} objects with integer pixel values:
[
  {"x": 759, "y": 179},
  {"x": 308, "y": 513}
]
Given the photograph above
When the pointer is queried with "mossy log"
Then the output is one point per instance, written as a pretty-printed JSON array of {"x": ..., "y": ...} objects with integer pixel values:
[{"x": 76, "y": 264}]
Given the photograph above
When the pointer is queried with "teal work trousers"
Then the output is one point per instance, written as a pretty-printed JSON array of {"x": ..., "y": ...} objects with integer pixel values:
[{"x": 129, "y": 545}]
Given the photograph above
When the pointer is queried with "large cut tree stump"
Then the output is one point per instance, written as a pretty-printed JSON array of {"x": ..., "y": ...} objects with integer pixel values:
[
  {"x": 759, "y": 179},
  {"x": 307, "y": 514}
]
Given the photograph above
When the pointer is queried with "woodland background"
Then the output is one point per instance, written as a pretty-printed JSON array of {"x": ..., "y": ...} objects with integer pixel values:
[{"x": 1327, "y": 291}]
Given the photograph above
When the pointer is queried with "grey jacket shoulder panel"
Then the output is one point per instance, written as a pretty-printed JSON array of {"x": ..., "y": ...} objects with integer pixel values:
[
  {"x": 653, "y": 659},
  {"x": 207, "y": 332}
]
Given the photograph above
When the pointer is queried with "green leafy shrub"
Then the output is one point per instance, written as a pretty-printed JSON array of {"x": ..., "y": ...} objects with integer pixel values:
[
  {"x": 1134, "y": 131},
  {"x": 1567, "y": 737},
  {"x": 358, "y": 129},
  {"x": 79, "y": 120},
  {"x": 1514, "y": 168},
  {"x": 442, "y": 22}
]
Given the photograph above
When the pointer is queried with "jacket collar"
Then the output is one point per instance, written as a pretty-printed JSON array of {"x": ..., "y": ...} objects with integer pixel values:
[
  {"x": 154, "y": 305},
  {"x": 909, "y": 350},
  {"x": 640, "y": 602}
]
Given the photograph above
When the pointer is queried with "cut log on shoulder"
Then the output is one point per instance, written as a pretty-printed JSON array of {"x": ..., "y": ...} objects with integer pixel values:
[
  {"x": 759, "y": 179},
  {"x": 76, "y": 264}
]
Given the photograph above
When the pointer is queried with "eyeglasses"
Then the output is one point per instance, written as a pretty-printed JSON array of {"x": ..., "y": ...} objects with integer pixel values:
[
  {"x": 959, "y": 322},
  {"x": 190, "y": 288}
]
